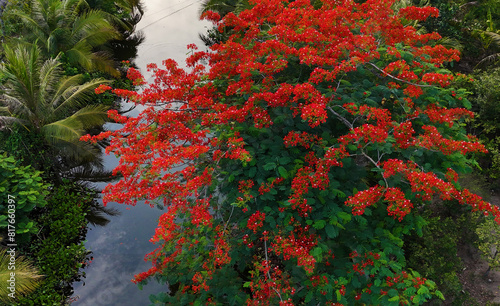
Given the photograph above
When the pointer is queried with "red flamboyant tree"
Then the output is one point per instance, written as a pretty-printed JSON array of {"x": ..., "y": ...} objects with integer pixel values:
[{"x": 292, "y": 157}]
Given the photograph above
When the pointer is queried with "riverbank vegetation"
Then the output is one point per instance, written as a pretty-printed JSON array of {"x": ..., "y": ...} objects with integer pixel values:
[
  {"x": 342, "y": 158},
  {"x": 54, "y": 55}
]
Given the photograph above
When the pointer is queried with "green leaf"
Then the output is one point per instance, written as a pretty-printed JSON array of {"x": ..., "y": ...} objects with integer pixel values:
[
  {"x": 319, "y": 224},
  {"x": 439, "y": 295},
  {"x": 269, "y": 166},
  {"x": 284, "y": 160},
  {"x": 423, "y": 290},
  {"x": 338, "y": 193},
  {"x": 317, "y": 252},
  {"x": 331, "y": 231},
  {"x": 252, "y": 172},
  {"x": 309, "y": 297},
  {"x": 344, "y": 216},
  {"x": 283, "y": 172}
]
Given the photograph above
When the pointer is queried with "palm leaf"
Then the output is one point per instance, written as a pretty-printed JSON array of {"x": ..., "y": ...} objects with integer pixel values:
[
  {"x": 74, "y": 151},
  {"x": 70, "y": 95},
  {"x": 6, "y": 121},
  {"x": 94, "y": 28},
  {"x": 488, "y": 59},
  {"x": 92, "y": 116},
  {"x": 103, "y": 62},
  {"x": 68, "y": 130},
  {"x": 90, "y": 174},
  {"x": 450, "y": 43},
  {"x": 80, "y": 55},
  {"x": 495, "y": 37},
  {"x": 97, "y": 214},
  {"x": 27, "y": 277}
]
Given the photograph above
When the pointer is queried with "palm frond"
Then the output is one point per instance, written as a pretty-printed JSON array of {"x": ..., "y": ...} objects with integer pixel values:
[
  {"x": 33, "y": 24},
  {"x": 70, "y": 95},
  {"x": 97, "y": 215},
  {"x": 223, "y": 7},
  {"x": 7, "y": 121},
  {"x": 77, "y": 151},
  {"x": 92, "y": 116},
  {"x": 242, "y": 5},
  {"x": 103, "y": 62},
  {"x": 68, "y": 130},
  {"x": 94, "y": 28},
  {"x": 71, "y": 128},
  {"x": 90, "y": 174},
  {"x": 80, "y": 55},
  {"x": 50, "y": 76},
  {"x": 488, "y": 59},
  {"x": 450, "y": 43},
  {"x": 21, "y": 72},
  {"x": 495, "y": 37},
  {"x": 27, "y": 276}
]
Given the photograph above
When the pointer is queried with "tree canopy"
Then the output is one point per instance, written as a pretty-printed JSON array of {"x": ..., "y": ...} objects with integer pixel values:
[
  {"x": 293, "y": 155},
  {"x": 36, "y": 95}
]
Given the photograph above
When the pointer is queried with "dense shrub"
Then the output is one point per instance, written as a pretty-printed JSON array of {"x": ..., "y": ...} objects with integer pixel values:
[
  {"x": 21, "y": 190},
  {"x": 434, "y": 254},
  {"x": 59, "y": 251}
]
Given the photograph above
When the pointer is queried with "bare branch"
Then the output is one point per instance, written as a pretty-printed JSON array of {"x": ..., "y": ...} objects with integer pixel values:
[{"x": 398, "y": 79}]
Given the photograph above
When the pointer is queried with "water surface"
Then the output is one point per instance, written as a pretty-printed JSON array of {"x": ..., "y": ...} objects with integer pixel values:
[{"x": 119, "y": 248}]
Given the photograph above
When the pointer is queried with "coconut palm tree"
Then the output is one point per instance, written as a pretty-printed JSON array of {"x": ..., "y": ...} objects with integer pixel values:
[
  {"x": 40, "y": 98},
  {"x": 71, "y": 28}
]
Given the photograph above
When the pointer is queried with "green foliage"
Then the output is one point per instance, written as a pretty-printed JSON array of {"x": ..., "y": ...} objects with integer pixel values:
[
  {"x": 486, "y": 104},
  {"x": 58, "y": 251},
  {"x": 489, "y": 242},
  {"x": 38, "y": 97},
  {"x": 21, "y": 190},
  {"x": 27, "y": 148},
  {"x": 434, "y": 253},
  {"x": 69, "y": 27},
  {"x": 465, "y": 22}
]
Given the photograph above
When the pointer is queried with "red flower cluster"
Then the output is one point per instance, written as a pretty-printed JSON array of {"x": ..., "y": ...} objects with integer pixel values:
[
  {"x": 418, "y": 13},
  {"x": 269, "y": 283},
  {"x": 102, "y": 89},
  {"x": 363, "y": 199},
  {"x": 266, "y": 187},
  {"x": 437, "y": 78},
  {"x": 398, "y": 206},
  {"x": 432, "y": 139},
  {"x": 403, "y": 133},
  {"x": 256, "y": 221},
  {"x": 298, "y": 245},
  {"x": 427, "y": 184},
  {"x": 442, "y": 115},
  {"x": 304, "y": 139},
  {"x": 136, "y": 76}
]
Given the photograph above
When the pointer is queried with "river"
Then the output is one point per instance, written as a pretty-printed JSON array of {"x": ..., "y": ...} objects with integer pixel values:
[{"x": 119, "y": 248}]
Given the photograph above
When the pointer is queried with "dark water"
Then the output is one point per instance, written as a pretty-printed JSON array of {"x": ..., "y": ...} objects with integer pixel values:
[{"x": 119, "y": 247}]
